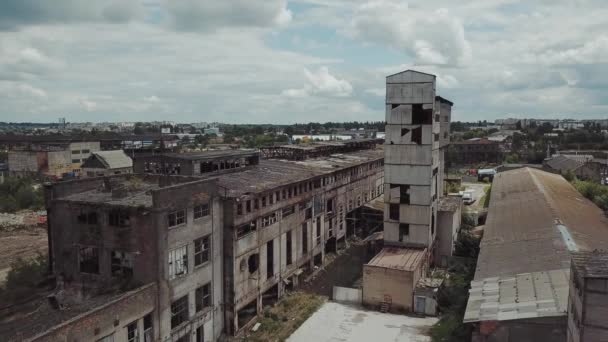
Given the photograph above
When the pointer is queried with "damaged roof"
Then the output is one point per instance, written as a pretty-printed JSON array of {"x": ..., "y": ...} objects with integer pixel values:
[
  {"x": 113, "y": 159},
  {"x": 272, "y": 173},
  {"x": 591, "y": 264}
]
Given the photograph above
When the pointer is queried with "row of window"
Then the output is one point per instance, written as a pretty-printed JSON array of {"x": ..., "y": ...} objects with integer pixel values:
[
  {"x": 121, "y": 263},
  {"x": 286, "y": 193},
  {"x": 178, "y": 257},
  {"x": 79, "y": 151},
  {"x": 179, "y": 308},
  {"x": 270, "y": 219},
  {"x": 117, "y": 218},
  {"x": 178, "y": 217}
]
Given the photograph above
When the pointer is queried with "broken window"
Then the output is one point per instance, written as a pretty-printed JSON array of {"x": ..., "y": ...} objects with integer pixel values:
[
  {"x": 263, "y": 201},
  {"x": 416, "y": 136},
  {"x": 179, "y": 311},
  {"x": 319, "y": 230},
  {"x": 269, "y": 220},
  {"x": 304, "y": 238},
  {"x": 330, "y": 229},
  {"x": 433, "y": 224},
  {"x": 148, "y": 330},
  {"x": 89, "y": 260},
  {"x": 248, "y": 206},
  {"x": 245, "y": 229},
  {"x": 90, "y": 218},
  {"x": 308, "y": 213},
  {"x": 278, "y": 195},
  {"x": 404, "y": 131},
  {"x": 239, "y": 209},
  {"x": 122, "y": 263},
  {"x": 288, "y": 248},
  {"x": 253, "y": 262},
  {"x": 436, "y": 137},
  {"x": 404, "y": 231},
  {"x": 288, "y": 210},
  {"x": 118, "y": 218},
  {"x": 256, "y": 204},
  {"x": 201, "y": 250},
  {"x": 109, "y": 338},
  {"x": 176, "y": 218},
  {"x": 178, "y": 262},
  {"x": 203, "y": 297},
  {"x": 201, "y": 211},
  {"x": 421, "y": 116},
  {"x": 132, "y": 332},
  {"x": 271, "y": 199},
  {"x": 393, "y": 212},
  {"x": 404, "y": 194},
  {"x": 270, "y": 259},
  {"x": 330, "y": 206}
]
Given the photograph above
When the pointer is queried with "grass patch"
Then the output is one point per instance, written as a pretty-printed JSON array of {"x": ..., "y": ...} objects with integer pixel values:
[
  {"x": 281, "y": 320},
  {"x": 485, "y": 200}
]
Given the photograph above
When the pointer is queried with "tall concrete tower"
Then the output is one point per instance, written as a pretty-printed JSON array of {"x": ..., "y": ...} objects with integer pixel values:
[{"x": 417, "y": 129}]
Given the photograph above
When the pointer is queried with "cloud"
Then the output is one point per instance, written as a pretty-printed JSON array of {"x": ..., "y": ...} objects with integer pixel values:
[
  {"x": 321, "y": 83},
  {"x": 210, "y": 15},
  {"x": 17, "y": 13},
  {"x": 431, "y": 37},
  {"x": 19, "y": 61},
  {"x": 152, "y": 98},
  {"x": 20, "y": 91}
]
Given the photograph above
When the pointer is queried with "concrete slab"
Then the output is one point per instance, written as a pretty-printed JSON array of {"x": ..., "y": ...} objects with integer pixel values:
[{"x": 339, "y": 322}]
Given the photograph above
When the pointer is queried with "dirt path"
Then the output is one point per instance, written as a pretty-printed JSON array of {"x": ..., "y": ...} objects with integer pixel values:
[{"x": 22, "y": 243}]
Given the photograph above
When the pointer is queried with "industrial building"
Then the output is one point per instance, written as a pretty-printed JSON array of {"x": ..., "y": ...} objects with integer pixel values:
[
  {"x": 417, "y": 133},
  {"x": 588, "y": 297},
  {"x": 476, "y": 150},
  {"x": 536, "y": 221},
  {"x": 53, "y": 160},
  {"x": 193, "y": 246}
]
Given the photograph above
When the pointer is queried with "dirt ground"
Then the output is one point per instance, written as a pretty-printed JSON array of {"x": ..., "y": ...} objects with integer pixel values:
[{"x": 23, "y": 243}]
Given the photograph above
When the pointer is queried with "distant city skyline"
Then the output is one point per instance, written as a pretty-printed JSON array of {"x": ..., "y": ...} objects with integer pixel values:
[{"x": 284, "y": 62}]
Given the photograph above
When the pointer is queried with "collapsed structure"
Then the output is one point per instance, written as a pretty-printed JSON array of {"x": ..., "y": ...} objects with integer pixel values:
[{"x": 193, "y": 245}]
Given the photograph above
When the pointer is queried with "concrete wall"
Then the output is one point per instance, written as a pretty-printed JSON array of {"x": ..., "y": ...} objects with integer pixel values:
[
  {"x": 109, "y": 319},
  {"x": 347, "y": 295},
  {"x": 448, "y": 225},
  {"x": 398, "y": 284}
]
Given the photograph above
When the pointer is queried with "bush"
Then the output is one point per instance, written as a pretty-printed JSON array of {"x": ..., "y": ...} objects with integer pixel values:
[
  {"x": 20, "y": 193},
  {"x": 595, "y": 192},
  {"x": 8, "y": 203},
  {"x": 24, "y": 276}
]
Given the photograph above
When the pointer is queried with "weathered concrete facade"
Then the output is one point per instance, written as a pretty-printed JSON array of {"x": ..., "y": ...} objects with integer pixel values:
[
  {"x": 50, "y": 160},
  {"x": 588, "y": 298},
  {"x": 123, "y": 231},
  {"x": 214, "y": 247}
]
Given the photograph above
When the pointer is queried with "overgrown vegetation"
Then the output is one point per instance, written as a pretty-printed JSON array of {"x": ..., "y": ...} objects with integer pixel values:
[
  {"x": 23, "y": 278},
  {"x": 597, "y": 193},
  {"x": 454, "y": 188},
  {"x": 281, "y": 320},
  {"x": 20, "y": 193},
  {"x": 452, "y": 299},
  {"x": 485, "y": 200}
]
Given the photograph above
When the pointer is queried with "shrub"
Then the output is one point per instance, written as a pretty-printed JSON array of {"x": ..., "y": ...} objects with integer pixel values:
[{"x": 24, "y": 276}]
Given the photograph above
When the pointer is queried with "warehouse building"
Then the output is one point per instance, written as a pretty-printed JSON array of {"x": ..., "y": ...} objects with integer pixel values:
[{"x": 536, "y": 221}]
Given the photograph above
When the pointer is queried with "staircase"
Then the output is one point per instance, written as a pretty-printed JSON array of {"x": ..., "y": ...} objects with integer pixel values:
[{"x": 385, "y": 306}]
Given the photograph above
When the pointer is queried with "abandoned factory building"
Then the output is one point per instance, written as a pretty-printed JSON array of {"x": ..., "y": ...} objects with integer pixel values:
[{"x": 192, "y": 246}]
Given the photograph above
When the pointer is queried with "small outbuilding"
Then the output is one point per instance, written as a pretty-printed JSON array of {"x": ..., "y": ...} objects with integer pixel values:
[{"x": 106, "y": 163}]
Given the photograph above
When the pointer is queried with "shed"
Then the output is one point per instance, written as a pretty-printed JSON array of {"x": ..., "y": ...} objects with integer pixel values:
[{"x": 105, "y": 163}]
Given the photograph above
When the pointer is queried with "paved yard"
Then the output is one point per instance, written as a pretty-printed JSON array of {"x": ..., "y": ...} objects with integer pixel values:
[
  {"x": 478, "y": 190},
  {"x": 339, "y": 322}
]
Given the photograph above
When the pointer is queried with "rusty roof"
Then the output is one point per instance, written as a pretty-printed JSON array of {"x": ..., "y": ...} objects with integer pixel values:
[
  {"x": 397, "y": 258},
  {"x": 535, "y": 220},
  {"x": 591, "y": 264}
]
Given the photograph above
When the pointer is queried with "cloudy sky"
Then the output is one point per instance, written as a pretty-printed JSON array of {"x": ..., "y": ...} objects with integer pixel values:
[{"x": 278, "y": 61}]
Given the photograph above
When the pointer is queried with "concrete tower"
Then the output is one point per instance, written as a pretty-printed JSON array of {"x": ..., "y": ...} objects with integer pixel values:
[{"x": 415, "y": 135}]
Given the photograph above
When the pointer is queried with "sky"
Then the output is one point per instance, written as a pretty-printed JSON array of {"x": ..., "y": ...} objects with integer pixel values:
[{"x": 281, "y": 62}]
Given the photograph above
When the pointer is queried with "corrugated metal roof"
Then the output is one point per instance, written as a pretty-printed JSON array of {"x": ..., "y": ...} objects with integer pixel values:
[
  {"x": 114, "y": 159},
  {"x": 535, "y": 220},
  {"x": 405, "y": 259},
  {"x": 591, "y": 264},
  {"x": 566, "y": 163},
  {"x": 524, "y": 295}
]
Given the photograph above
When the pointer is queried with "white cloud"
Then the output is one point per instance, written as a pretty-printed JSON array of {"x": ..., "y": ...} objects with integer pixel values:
[
  {"x": 431, "y": 37},
  {"x": 88, "y": 105},
  {"x": 209, "y": 15},
  {"x": 321, "y": 83},
  {"x": 21, "y": 91},
  {"x": 152, "y": 98}
]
